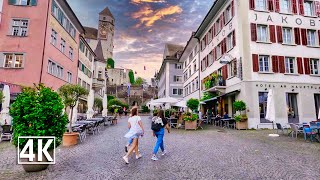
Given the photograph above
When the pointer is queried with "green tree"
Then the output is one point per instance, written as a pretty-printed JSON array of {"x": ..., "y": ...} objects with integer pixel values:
[
  {"x": 1, "y": 96},
  {"x": 131, "y": 77},
  {"x": 139, "y": 81},
  {"x": 193, "y": 104},
  {"x": 98, "y": 104},
  {"x": 112, "y": 104},
  {"x": 110, "y": 63},
  {"x": 70, "y": 94},
  {"x": 110, "y": 97},
  {"x": 38, "y": 111}
]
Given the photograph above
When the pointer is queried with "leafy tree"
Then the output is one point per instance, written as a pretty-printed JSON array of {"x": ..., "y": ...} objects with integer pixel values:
[
  {"x": 1, "y": 96},
  {"x": 139, "y": 81},
  {"x": 110, "y": 63},
  {"x": 70, "y": 94},
  {"x": 207, "y": 95},
  {"x": 38, "y": 111},
  {"x": 131, "y": 77},
  {"x": 112, "y": 104},
  {"x": 98, "y": 104},
  {"x": 239, "y": 105},
  {"x": 193, "y": 104},
  {"x": 110, "y": 97}
]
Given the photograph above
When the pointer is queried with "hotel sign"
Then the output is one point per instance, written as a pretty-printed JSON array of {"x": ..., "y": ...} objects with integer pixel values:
[
  {"x": 286, "y": 20},
  {"x": 270, "y": 85}
]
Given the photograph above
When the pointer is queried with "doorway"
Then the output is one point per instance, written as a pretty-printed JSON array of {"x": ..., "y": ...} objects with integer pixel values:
[
  {"x": 317, "y": 104},
  {"x": 292, "y": 108}
]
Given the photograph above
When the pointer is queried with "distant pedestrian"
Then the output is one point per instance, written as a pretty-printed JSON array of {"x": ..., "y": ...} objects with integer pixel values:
[
  {"x": 136, "y": 130},
  {"x": 159, "y": 123}
]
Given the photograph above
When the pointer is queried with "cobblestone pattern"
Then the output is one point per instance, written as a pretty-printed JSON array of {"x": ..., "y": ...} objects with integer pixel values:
[{"x": 204, "y": 154}]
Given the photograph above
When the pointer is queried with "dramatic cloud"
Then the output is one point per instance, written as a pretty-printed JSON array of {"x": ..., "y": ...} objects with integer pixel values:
[
  {"x": 148, "y": 17},
  {"x": 147, "y": 1}
]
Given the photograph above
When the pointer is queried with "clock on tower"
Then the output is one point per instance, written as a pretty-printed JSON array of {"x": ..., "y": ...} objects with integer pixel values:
[{"x": 103, "y": 30}]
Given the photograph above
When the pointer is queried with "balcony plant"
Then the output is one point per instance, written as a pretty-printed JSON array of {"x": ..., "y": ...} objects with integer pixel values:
[
  {"x": 70, "y": 94},
  {"x": 38, "y": 111},
  {"x": 240, "y": 107}
]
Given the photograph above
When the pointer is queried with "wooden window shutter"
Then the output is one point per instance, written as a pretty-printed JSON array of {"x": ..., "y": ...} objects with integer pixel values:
[
  {"x": 225, "y": 45},
  {"x": 297, "y": 38},
  {"x": 33, "y": 2},
  {"x": 225, "y": 72},
  {"x": 279, "y": 34},
  {"x": 207, "y": 61},
  {"x": 275, "y": 64},
  {"x": 277, "y": 4},
  {"x": 221, "y": 21},
  {"x": 252, "y": 4},
  {"x": 255, "y": 62},
  {"x": 304, "y": 40},
  {"x": 234, "y": 38},
  {"x": 12, "y": 2},
  {"x": 223, "y": 17},
  {"x": 272, "y": 34},
  {"x": 300, "y": 65},
  {"x": 270, "y": 5},
  {"x": 212, "y": 34},
  {"x": 232, "y": 8},
  {"x": 294, "y": 6},
  {"x": 282, "y": 68},
  {"x": 214, "y": 29},
  {"x": 317, "y": 8},
  {"x": 306, "y": 65},
  {"x": 301, "y": 7},
  {"x": 253, "y": 32},
  {"x": 215, "y": 54}
]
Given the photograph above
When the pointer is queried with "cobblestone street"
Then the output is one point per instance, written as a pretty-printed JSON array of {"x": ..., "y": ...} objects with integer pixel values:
[{"x": 205, "y": 154}]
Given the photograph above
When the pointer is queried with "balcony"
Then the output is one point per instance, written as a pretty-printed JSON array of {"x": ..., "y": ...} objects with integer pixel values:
[
  {"x": 98, "y": 83},
  {"x": 214, "y": 83}
]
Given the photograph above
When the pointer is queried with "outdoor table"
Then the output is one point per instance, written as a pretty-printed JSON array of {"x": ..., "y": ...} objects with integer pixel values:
[
  {"x": 318, "y": 132},
  {"x": 225, "y": 122},
  {"x": 171, "y": 124}
]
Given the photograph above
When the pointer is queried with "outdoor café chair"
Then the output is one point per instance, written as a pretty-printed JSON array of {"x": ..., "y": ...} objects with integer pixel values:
[
  {"x": 6, "y": 133},
  {"x": 308, "y": 132},
  {"x": 294, "y": 129},
  {"x": 281, "y": 128}
]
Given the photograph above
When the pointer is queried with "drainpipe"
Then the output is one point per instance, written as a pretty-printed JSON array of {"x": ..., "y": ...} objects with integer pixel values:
[{"x": 44, "y": 42}]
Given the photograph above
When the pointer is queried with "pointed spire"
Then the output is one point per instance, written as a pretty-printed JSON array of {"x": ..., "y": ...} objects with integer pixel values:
[
  {"x": 99, "y": 52},
  {"x": 107, "y": 12}
]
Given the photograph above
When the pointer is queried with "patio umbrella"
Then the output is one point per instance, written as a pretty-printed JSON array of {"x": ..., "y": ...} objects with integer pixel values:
[
  {"x": 105, "y": 105},
  {"x": 90, "y": 102},
  {"x": 271, "y": 114},
  {"x": 182, "y": 103},
  {"x": 319, "y": 114},
  {"x": 169, "y": 100},
  {"x": 75, "y": 113},
  {"x": 5, "y": 106}
]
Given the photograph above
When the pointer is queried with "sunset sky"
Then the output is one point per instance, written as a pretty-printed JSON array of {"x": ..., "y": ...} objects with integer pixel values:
[{"x": 144, "y": 26}]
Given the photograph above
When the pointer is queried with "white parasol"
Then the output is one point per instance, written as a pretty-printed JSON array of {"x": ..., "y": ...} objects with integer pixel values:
[
  {"x": 90, "y": 111},
  {"x": 271, "y": 114},
  {"x": 105, "y": 105},
  {"x": 5, "y": 106}
]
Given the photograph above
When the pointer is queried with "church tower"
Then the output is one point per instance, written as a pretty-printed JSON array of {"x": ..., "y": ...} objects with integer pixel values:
[{"x": 106, "y": 32}]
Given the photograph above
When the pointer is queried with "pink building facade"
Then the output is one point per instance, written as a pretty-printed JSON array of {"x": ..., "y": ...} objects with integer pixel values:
[{"x": 39, "y": 43}]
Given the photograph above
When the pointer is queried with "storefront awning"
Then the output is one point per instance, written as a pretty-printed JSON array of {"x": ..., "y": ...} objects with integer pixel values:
[{"x": 226, "y": 94}]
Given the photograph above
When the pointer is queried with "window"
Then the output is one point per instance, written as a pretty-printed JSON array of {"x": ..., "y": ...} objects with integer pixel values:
[
  {"x": 90, "y": 57},
  {"x": 193, "y": 86},
  {"x": 177, "y": 79},
  {"x": 218, "y": 26},
  {"x": 264, "y": 64},
  {"x": 82, "y": 46},
  {"x": 79, "y": 81},
  {"x": 24, "y": 2},
  {"x": 261, "y": 5},
  {"x": 53, "y": 37},
  {"x": 13, "y": 60},
  {"x": 287, "y": 35},
  {"x": 197, "y": 83},
  {"x": 230, "y": 41},
  {"x": 69, "y": 77},
  {"x": 71, "y": 53},
  {"x": 309, "y": 8},
  {"x": 178, "y": 66},
  {"x": 233, "y": 68},
  {"x": 203, "y": 44},
  {"x": 19, "y": 27},
  {"x": 219, "y": 51},
  {"x": 55, "y": 69},
  {"x": 190, "y": 71},
  {"x": 175, "y": 91},
  {"x": 180, "y": 92},
  {"x": 311, "y": 37},
  {"x": 190, "y": 57},
  {"x": 86, "y": 52},
  {"x": 285, "y": 6},
  {"x": 262, "y": 33},
  {"x": 228, "y": 14},
  {"x": 263, "y": 99},
  {"x": 292, "y": 108},
  {"x": 290, "y": 65},
  {"x": 209, "y": 35},
  {"x": 62, "y": 45},
  {"x": 194, "y": 67},
  {"x": 210, "y": 57},
  {"x": 100, "y": 75},
  {"x": 314, "y": 66}
]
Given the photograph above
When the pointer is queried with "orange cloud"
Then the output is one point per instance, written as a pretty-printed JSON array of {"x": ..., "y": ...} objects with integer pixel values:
[
  {"x": 148, "y": 17},
  {"x": 147, "y": 1}
]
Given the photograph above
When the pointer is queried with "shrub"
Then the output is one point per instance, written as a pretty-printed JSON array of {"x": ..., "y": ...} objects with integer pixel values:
[
  {"x": 110, "y": 97},
  {"x": 239, "y": 105},
  {"x": 131, "y": 77},
  {"x": 98, "y": 104},
  {"x": 112, "y": 104},
  {"x": 1, "y": 96},
  {"x": 38, "y": 111},
  {"x": 145, "y": 109},
  {"x": 193, "y": 104},
  {"x": 110, "y": 63},
  {"x": 190, "y": 117}
]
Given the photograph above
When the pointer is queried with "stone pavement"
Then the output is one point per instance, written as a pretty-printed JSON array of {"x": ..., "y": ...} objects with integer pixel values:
[{"x": 211, "y": 153}]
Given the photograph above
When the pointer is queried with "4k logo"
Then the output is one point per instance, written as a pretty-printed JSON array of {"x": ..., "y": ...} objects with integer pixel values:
[{"x": 41, "y": 156}]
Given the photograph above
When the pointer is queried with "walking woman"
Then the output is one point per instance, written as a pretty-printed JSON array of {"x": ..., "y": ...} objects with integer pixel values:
[
  {"x": 159, "y": 123},
  {"x": 136, "y": 130}
]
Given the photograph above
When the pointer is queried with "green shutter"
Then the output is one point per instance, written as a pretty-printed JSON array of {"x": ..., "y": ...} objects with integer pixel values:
[
  {"x": 33, "y": 2},
  {"x": 12, "y": 2}
]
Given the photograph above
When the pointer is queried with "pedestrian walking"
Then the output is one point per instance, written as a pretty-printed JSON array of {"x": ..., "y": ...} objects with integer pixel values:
[
  {"x": 136, "y": 130},
  {"x": 159, "y": 123}
]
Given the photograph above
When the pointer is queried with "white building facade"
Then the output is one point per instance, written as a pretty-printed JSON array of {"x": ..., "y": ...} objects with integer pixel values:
[{"x": 250, "y": 47}]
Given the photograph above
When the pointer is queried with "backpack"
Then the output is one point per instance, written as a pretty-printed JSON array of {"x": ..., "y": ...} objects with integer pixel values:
[{"x": 156, "y": 124}]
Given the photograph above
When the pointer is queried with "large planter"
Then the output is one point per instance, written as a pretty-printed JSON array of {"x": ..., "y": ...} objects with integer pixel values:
[
  {"x": 70, "y": 139},
  {"x": 36, "y": 167},
  {"x": 242, "y": 125},
  {"x": 190, "y": 125}
]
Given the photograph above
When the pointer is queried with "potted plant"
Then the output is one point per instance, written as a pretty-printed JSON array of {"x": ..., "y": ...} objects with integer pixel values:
[
  {"x": 190, "y": 121},
  {"x": 38, "y": 111},
  {"x": 242, "y": 119},
  {"x": 70, "y": 95}
]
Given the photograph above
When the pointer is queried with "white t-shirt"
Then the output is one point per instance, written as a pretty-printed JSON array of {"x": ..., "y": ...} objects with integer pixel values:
[{"x": 134, "y": 122}]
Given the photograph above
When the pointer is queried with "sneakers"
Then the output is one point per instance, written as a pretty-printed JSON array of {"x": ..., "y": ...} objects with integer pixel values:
[
  {"x": 126, "y": 159},
  {"x": 154, "y": 157},
  {"x": 164, "y": 153},
  {"x": 139, "y": 156}
]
